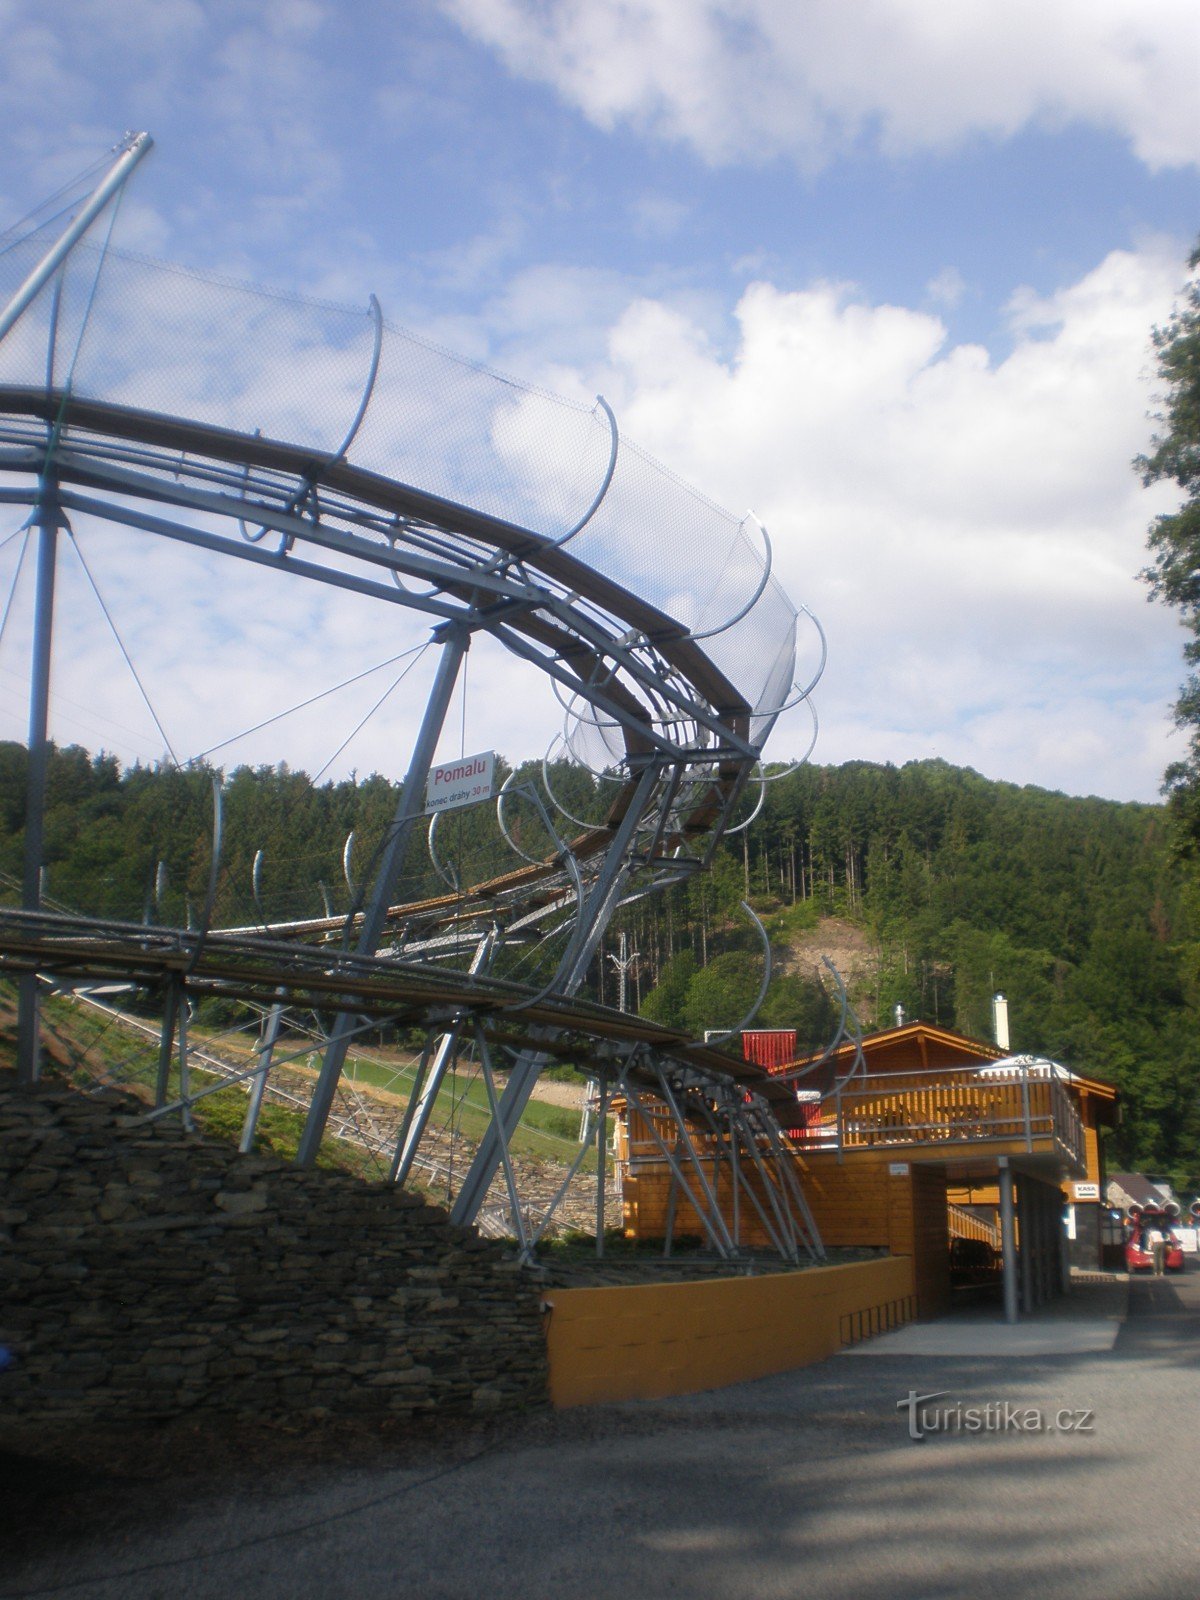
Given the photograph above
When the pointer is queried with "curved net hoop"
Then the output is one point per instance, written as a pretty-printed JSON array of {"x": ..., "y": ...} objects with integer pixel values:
[{"x": 159, "y": 338}]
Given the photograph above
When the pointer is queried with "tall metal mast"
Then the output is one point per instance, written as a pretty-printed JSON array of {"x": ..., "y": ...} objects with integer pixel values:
[{"x": 47, "y": 518}]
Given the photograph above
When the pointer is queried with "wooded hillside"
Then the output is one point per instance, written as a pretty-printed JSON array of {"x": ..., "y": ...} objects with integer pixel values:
[
  {"x": 1078, "y": 910},
  {"x": 946, "y": 887}
]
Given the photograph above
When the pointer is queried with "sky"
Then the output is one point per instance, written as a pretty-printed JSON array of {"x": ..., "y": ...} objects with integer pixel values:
[{"x": 884, "y": 273}]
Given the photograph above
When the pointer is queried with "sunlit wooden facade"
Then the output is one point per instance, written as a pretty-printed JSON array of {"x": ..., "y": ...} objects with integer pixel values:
[{"x": 909, "y": 1153}]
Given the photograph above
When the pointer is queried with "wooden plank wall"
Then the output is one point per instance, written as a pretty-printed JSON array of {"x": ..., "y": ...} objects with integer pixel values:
[
  {"x": 857, "y": 1203},
  {"x": 638, "y": 1341},
  {"x": 646, "y": 1198},
  {"x": 930, "y": 1240}
]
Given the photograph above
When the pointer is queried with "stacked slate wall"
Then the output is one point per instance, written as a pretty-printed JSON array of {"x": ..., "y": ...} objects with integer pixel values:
[{"x": 146, "y": 1273}]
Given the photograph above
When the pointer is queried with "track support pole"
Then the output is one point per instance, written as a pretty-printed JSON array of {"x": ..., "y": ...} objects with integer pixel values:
[
  {"x": 258, "y": 1085},
  {"x": 1008, "y": 1241},
  {"x": 48, "y": 518},
  {"x": 411, "y": 805},
  {"x": 113, "y": 181}
]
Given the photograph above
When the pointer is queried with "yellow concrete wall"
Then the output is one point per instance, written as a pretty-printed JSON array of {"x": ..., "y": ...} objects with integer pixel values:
[{"x": 642, "y": 1341}]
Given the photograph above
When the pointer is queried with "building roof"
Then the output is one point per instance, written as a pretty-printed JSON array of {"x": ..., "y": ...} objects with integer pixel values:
[
  {"x": 938, "y": 1047},
  {"x": 1138, "y": 1189},
  {"x": 950, "y": 1048}
]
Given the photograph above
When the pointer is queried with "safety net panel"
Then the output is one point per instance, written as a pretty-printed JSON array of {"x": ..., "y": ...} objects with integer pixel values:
[{"x": 342, "y": 383}]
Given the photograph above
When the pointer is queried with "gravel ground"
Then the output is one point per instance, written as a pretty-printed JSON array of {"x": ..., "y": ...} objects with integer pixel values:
[{"x": 803, "y": 1483}]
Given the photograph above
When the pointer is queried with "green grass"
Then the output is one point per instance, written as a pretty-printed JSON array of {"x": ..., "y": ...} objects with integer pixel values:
[
  {"x": 546, "y": 1132},
  {"x": 98, "y": 1047},
  {"x": 101, "y": 1046},
  {"x": 575, "y": 1246},
  {"x": 222, "y": 1115}
]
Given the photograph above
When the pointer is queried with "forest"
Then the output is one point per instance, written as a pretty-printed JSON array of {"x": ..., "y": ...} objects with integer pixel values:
[{"x": 1084, "y": 912}]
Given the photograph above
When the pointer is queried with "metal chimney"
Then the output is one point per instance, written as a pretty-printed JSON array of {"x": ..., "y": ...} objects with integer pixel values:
[
  {"x": 1000, "y": 1022},
  {"x": 901, "y": 1019}
]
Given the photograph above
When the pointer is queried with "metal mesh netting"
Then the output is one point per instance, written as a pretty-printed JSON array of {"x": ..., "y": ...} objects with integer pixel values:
[{"x": 159, "y": 338}]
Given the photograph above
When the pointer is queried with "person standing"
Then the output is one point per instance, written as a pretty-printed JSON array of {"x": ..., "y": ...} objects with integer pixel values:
[{"x": 1154, "y": 1240}]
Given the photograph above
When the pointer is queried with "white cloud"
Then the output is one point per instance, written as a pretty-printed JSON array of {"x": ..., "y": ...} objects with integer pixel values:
[
  {"x": 245, "y": 80},
  {"x": 477, "y": 260},
  {"x": 969, "y": 532},
  {"x": 947, "y": 288},
  {"x": 50, "y": 60},
  {"x": 658, "y": 216},
  {"x": 750, "y": 79},
  {"x": 259, "y": 97},
  {"x": 222, "y": 646}
]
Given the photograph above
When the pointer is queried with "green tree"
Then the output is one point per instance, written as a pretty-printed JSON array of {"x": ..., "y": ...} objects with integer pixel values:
[
  {"x": 720, "y": 994},
  {"x": 667, "y": 1001},
  {"x": 1174, "y": 537}
]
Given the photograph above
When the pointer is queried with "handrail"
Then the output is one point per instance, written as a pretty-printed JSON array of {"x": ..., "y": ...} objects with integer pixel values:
[
  {"x": 964, "y": 1224},
  {"x": 924, "y": 1108}
]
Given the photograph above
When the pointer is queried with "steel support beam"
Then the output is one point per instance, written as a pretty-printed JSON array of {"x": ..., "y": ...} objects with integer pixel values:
[
  {"x": 601, "y": 1154},
  {"x": 509, "y": 596},
  {"x": 166, "y": 1044},
  {"x": 1008, "y": 1241},
  {"x": 258, "y": 1087},
  {"x": 510, "y": 1177},
  {"x": 410, "y": 807},
  {"x": 719, "y": 1241},
  {"x": 399, "y": 1169},
  {"x": 185, "y": 1074},
  {"x": 424, "y": 1093},
  {"x": 783, "y": 1235},
  {"x": 1027, "y": 1223},
  {"x": 48, "y": 519},
  {"x": 738, "y": 1131},
  {"x": 735, "y": 1170},
  {"x": 718, "y": 1221},
  {"x": 672, "y": 1201},
  {"x": 593, "y": 920},
  {"x": 785, "y": 1162},
  {"x": 548, "y": 1215},
  {"x": 113, "y": 181}
]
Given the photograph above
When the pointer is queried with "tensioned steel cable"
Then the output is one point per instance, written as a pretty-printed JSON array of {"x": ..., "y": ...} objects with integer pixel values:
[
  {"x": 108, "y": 617},
  {"x": 390, "y": 830},
  {"x": 56, "y": 429},
  {"x": 312, "y": 700},
  {"x": 15, "y": 534},
  {"x": 16, "y": 579},
  {"x": 8, "y": 242},
  {"x": 355, "y": 731},
  {"x": 416, "y": 651},
  {"x": 462, "y": 752},
  {"x": 11, "y": 240}
]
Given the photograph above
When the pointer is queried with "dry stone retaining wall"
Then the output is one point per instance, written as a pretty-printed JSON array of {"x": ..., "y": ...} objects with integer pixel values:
[{"x": 146, "y": 1272}]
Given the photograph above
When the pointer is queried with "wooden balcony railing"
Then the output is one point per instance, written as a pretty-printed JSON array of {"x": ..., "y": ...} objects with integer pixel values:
[{"x": 906, "y": 1109}]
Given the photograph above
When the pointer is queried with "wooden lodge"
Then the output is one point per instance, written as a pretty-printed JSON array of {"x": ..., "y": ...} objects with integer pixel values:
[{"x": 935, "y": 1140}]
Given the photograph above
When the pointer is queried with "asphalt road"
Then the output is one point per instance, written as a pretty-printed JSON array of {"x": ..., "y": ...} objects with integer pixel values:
[{"x": 802, "y": 1484}]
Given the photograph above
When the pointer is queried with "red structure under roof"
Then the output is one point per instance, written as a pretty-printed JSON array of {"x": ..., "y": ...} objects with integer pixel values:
[{"x": 771, "y": 1048}]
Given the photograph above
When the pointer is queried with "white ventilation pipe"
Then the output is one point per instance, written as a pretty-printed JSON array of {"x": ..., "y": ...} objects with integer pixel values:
[{"x": 1000, "y": 1021}]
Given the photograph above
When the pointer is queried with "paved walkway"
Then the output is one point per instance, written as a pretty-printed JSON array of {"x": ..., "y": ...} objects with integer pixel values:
[
  {"x": 804, "y": 1484},
  {"x": 1087, "y": 1319}
]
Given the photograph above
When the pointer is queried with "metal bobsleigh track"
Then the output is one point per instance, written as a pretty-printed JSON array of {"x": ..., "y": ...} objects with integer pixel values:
[{"x": 132, "y": 398}]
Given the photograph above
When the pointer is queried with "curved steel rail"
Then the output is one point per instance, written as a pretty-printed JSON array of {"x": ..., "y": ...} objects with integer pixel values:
[{"x": 687, "y": 735}]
